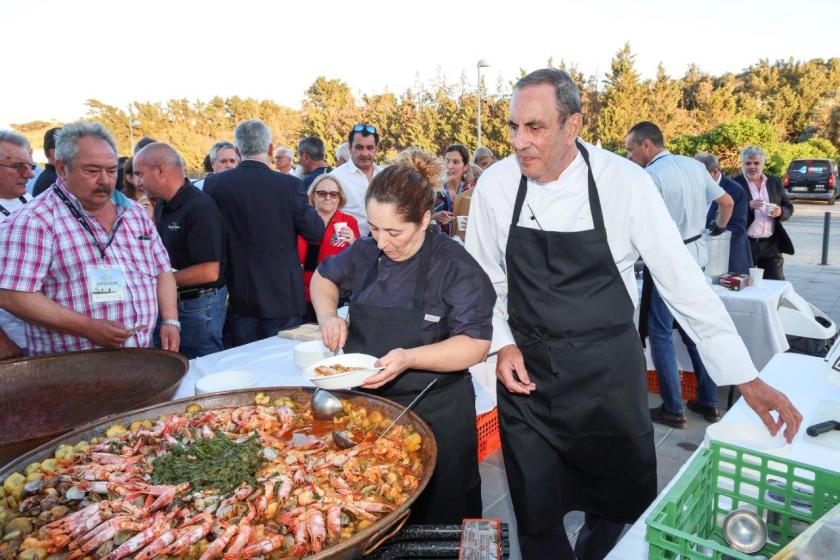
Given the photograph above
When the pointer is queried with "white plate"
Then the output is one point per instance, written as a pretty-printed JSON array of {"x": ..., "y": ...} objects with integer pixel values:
[
  {"x": 343, "y": 380},
  {"x": 228, "y": 380},
  {"x": 748, "y": 435}
]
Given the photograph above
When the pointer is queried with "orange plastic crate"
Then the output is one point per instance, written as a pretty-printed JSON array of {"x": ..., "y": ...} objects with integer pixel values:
[
  {"x": 487, "y": 425},
  {"x": 688, "y": 382}
]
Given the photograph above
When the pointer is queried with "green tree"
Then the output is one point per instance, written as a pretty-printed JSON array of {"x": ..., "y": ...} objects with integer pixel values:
[{"x": 624, "y": 100}]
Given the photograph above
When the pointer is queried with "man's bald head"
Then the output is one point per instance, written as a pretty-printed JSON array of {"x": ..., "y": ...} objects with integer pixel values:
[
  {"x": 159, "y": 153},
  {"x": 159, "y": 170}
]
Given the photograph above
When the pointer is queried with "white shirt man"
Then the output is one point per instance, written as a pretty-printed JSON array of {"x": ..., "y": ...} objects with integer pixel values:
[
  {"x": 355, "y": 175},
  {"x": 677, "y": 178},
  {"x": 637, "y": 222}
]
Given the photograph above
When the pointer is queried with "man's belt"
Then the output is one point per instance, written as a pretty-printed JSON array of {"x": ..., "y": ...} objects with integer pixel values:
[{"x": 192, "y": 293}]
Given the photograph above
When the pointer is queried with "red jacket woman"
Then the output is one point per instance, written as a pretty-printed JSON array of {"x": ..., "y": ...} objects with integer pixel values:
[{"x": 342, "y": 230}]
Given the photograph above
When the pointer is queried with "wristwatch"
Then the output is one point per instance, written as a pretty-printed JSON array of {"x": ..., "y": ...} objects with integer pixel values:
[{"x": 172, "y": 322}]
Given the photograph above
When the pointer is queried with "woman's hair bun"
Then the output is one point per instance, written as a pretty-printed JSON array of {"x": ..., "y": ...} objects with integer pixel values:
[{"x": 428, "y": 165}]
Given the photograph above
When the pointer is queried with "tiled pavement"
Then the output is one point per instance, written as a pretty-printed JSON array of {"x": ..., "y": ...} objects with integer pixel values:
[{"x": 819, "y": 285}]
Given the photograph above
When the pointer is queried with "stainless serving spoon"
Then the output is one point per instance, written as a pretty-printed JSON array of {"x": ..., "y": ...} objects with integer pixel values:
[{"x": 326, "y": 406}]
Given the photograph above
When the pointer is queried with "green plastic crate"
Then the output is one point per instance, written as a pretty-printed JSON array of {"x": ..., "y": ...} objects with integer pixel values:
[{"x": 687, "y": 523}]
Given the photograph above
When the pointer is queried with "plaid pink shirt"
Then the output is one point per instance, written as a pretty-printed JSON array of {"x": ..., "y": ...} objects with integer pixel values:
[{"x": 43, "y": 248}]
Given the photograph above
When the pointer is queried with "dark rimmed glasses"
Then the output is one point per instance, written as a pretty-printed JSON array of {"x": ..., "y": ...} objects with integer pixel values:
[
  {"x": 327, "y": 194},
  {"x": 21, "y": 167}
]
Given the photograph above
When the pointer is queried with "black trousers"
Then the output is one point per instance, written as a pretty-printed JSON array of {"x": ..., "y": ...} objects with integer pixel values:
[
  {"x": 766, "y": 255},
  {"x": 596, "y": 538}
]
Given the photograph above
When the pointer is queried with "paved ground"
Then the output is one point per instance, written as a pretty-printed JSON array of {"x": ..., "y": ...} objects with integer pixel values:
[{"x": 820, "y": 285}]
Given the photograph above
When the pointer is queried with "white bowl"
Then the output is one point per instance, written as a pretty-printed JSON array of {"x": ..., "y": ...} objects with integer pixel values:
[
  {"x": 227, "y": 380},
  {"x": 748, "y": 435},
  {"x": 342, "y": 380},
  {"x": 307, "y": 353}
]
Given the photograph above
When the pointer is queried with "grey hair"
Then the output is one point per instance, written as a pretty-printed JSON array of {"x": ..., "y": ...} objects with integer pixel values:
[
  {"x": 482, "y": 153},
  {"x": 252, "y": 138},
  {"x": 217, "y": 147},
  {"x": 70, "y": 134},
  {"x": 14, "y": 138},
  {"x": 158, "y": 153},
  {"x": 342, "y": 152},
  {"x": 751, "y": 151},
  {"x": 313, "y": 147},
  {"x": 709, "y": 160},
  {"x": 566, "y": 91},
  {"x": 284, "y": 150}
]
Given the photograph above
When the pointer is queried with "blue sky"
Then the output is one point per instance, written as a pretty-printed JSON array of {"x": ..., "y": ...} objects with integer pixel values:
[{"x": 152, "y": 50}]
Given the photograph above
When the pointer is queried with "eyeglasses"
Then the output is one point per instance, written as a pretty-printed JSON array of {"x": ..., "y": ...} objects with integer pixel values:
[
  {"x": 20, "y": 166},
  {"x": 365, "y": 127},
  {"x": 326, "y": 194}
]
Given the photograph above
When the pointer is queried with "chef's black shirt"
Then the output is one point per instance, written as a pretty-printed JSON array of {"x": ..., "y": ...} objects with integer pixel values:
[
  {"x": 192, "y": 231},
  {"x": 458, "y": 291}
]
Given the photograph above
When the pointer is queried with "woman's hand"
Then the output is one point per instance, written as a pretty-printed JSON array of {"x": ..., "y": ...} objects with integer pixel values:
[
  {"x": 756, "y": 204},
  {"x": 395, "y": 363},
  {"x": 333, "y": 332},
  {"x": 346, "y": 235},
  {"x": 443, "y": 217}
]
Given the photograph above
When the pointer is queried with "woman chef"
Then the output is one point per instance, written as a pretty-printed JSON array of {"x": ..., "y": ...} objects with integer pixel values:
[{"x": 425, "y": 307}]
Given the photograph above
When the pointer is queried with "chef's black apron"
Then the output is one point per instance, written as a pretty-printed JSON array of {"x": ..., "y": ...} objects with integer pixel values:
[
  {"x": 454, "y": 491},
  {"x": 583, "y": 440}
]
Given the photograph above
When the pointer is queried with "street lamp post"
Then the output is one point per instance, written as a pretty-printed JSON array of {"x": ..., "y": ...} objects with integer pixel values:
[
  {"x": 132, "y": 122},
  {"x": 482, "y": 63}
]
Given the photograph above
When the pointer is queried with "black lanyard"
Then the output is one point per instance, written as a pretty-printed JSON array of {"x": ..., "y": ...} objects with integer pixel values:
[
  {"x": 81, "y": 219},
  {"x": 5, "y": 212}
]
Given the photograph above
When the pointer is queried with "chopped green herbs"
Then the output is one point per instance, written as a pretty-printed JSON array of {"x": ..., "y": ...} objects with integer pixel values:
[{"x": 216, "y": 462}]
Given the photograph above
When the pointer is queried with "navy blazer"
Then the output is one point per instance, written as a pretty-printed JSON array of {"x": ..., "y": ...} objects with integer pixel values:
[
  {"x": 776, "y": 194},
  {"x": 740, "y": 256},
  {"x": 264, "y": 212}
]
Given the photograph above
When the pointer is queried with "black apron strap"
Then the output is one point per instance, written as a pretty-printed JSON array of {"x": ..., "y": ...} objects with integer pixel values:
[
  {"x": 520, "y": 200},
  {"x": 422, "y": 272},
  {"x": 594, "y": 200}
]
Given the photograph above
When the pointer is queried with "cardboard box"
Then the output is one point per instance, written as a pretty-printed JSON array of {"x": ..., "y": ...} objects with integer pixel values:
[{"x": 734, "y": 281}]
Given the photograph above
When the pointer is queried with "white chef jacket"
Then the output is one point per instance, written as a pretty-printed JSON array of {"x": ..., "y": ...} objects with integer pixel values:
[
  {"x": 637, "y": 223},
  {"x": 355, "y": 183},
  {"x": 11, "y": 325},
  {"x": 688, "y": 190}
]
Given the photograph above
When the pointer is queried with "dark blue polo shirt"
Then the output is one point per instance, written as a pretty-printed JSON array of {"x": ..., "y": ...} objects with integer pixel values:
[{"x": 192, "y": 231}]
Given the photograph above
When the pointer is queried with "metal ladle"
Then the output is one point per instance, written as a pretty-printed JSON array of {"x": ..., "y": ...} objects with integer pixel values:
[
  {"x": 326, "y": 406},
  {"x": 744, "y": 531}
]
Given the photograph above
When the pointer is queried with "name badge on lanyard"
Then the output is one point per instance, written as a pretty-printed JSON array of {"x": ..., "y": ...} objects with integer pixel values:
[{"x": 105, "y": 283}]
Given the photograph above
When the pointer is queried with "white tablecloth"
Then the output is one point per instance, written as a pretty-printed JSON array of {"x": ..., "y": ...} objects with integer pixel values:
[
  {"x": 755, "y": 312},
  {"x": 271, "y": 361},
  {"x": 798, "y": 376}
]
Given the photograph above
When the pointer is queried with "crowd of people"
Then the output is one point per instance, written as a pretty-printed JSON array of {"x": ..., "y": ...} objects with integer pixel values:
[{"x": 534, "y": 260}]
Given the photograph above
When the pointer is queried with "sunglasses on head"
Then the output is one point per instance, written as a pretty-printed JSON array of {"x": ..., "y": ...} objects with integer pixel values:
[
  {"x": 325, "y": 194},
  {"x": 21, "y": 167},
  {"x": 364, "y": 128}
]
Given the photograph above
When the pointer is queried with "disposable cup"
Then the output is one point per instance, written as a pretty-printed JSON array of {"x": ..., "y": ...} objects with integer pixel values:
[
  {"x": 462, "y": 222},
  {"x": 339, "y": 226},
  {"x": 770, "y": 206},
  {"x": 756, "y": 275}
]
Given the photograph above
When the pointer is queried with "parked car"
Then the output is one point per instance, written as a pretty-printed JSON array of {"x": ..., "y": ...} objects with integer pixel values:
[{"x": 812, "y": 179}]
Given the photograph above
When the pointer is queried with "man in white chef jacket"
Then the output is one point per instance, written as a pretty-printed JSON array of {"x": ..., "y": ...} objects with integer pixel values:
[{"x": 559, "y": 249}]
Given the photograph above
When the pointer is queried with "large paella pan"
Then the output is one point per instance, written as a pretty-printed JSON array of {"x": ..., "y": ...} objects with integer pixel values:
[
  {"x": 234, "y": 475},
  {"x": 45, "y": 396}
]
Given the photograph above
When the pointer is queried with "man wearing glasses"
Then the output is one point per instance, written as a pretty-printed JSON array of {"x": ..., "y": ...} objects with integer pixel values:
[
  {"x": 356, "y": 174},
  {"x": 16, "y": 168}
]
